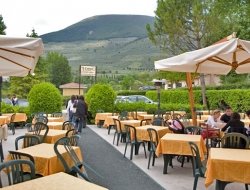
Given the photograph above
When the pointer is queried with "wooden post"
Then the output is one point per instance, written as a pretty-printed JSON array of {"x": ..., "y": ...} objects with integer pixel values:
[{"x": 191, "y": 98}]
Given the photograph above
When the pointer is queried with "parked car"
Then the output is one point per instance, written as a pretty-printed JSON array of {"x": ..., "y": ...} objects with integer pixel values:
[
  {"x": 21, "y": 102},
  {"x": 134, "y": 98}
]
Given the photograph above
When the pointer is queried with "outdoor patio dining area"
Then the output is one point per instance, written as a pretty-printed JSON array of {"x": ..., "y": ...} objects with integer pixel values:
[{"x": 105, "y": 156}]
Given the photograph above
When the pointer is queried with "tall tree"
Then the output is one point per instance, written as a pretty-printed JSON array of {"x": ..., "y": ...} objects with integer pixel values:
[
  {"x": 187, "y": 25},
  {"x": 2, "y": 26},
  {"x": 59, "y": 69}
]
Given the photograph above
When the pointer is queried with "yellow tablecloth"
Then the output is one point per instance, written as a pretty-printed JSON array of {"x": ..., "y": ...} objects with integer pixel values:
[
  {"x": 101, "y": 116},
  {"x": 55, "y": 119},
  {"x": 228, "y": 165},
  {"x": 19, "y": 117},
  {"x": 52, "y": 136},
  {"x": 4, "y": 120},
  {"x": 145, "y": 116},
  {"x": 57, "y": 181},
  {"x": 109, "y": 120},
  {"x": 46, "y": 161},
  {"x": 55, "y": 125},
  {"x": 142, "y": 133},
  {"x": 134, "y": 123},
  {"x": 178, "y": 144}
]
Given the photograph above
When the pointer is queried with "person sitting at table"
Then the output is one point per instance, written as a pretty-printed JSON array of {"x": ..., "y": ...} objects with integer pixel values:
[
  {"x": 235, "y": 125},
  {"x": 213, "y": 122},
  {"x": 227, "y": 115}
]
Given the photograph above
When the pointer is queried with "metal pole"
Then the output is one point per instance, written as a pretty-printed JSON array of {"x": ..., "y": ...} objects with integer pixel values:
[
  {"x": 159, "y": 96},
  {"x": 80, "y": 80},
  {"x": 1, "y": 84}
]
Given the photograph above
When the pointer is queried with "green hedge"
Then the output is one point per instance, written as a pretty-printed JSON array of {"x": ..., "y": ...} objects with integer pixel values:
[
  {"x": 238, "y": 99},
  {"x": 100, "y": 97},
  {"x": 131, "y": 92},
  {"x": 45, "y": 97}
]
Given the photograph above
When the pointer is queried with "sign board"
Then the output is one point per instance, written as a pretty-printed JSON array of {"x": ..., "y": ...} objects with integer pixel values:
[{"x": 88, "y": 71}]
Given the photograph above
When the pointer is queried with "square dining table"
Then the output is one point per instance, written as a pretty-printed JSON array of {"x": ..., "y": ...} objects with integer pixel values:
[
  {"x": 134, "y": 123},
  {"x": 52, "y": 136},
  {"x": 59, "y": 181},
  {"x": 19, "y": 117},
  {"x": 177, "y": 144},
  {"x": 228, "y": 165},
  {"x": 142, "y": 133},
  {"x": 46, "y": 161},
  {"x": 101, "y": 117},
  {"x": 55, "y": 125}
]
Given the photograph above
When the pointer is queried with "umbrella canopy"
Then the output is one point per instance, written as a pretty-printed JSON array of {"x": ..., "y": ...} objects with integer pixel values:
[
  {"x": 220, "y": 59},
  {"x": 18, "y": 56}
]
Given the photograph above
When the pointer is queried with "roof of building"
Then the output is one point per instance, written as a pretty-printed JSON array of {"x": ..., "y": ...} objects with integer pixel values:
[{"x": 72, "y": 85}]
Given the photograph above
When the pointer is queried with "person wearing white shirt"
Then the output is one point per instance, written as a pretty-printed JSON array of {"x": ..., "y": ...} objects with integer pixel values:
[
  {"x": 213, "y": 120},
  {"x": 70, "y": 107}
]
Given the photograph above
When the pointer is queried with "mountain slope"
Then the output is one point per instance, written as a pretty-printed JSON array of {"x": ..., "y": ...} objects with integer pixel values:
[{"x": 102, "y": 27}]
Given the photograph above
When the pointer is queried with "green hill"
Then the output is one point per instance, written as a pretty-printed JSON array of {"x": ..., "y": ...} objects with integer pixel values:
[
  {"x": 116, "y": 44},
  {"x": 102, "y": 27}
]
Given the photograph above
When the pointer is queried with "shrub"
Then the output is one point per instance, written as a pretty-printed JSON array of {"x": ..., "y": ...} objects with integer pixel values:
[
  {"x": 100, "y": 97},
  {"x": 45, "y": 97}
]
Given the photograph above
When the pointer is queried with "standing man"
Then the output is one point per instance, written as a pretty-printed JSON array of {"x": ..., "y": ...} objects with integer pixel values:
[{"x": 80, "y": 114}]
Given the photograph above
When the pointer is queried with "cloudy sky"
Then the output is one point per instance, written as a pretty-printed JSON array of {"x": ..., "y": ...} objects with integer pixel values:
[{"x": 45, "y": 16}]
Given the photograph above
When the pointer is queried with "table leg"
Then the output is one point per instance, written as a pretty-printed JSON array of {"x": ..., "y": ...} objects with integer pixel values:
[
  {"x": 166, "y": 158},
  {"x": 220, "y": 185}
]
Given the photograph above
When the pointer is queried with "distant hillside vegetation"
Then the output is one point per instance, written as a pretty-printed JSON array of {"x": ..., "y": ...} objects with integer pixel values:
[{"x": 102, "y": 27}]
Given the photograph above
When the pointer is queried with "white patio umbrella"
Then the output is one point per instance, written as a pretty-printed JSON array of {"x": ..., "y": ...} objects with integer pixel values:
[
  {"x": 18, "y": 56},
  {"x": 222, "y": 57}
]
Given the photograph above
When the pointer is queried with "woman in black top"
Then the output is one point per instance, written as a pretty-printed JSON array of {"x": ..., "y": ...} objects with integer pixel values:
[{"x": 235, "y": 125}]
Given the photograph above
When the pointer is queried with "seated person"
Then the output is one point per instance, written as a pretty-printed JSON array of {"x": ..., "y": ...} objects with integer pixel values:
[
  {"x": 248, "y": 113},
  {"x": 227, "y": 115},
  {"x": 235, "y": 125},
  {"x": 213, "y": 122}
]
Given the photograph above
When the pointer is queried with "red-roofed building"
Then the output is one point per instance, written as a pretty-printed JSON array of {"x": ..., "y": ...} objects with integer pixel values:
[{"x": 72, "y": 89}]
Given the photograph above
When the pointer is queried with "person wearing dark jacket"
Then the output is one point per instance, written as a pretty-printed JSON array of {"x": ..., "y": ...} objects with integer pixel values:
[
  {"x": 227, "y": 115},
  {"x": 235, "y": 125},
  {"x": 80, "y": 114}
]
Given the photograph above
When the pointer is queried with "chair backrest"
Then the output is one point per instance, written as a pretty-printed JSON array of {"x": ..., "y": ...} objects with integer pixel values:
[
  {"x": 153, "y": 136},
  {"x": 41, "y": 119},
  {"x": 130, "y": 133},
  {"x": 74, "y": 140},
  {"x": 29, "y": 128},
  {"x": 145, "y": 122},
  {"x": 38, "y": 127},
  {"x": 67, "y": 125},
  {"x": 27, "y": 141},
  {"x": 123, "y": 115},
  {"x": 12, "y": 118},
  {"x": 21, "y": 156},
  {"x": 117, "y": 125},
  {"x": 14, "y": 169},
  {"x": 197, "y": 164},
  {"x": 71, "y": 155},
  {"x": 158, "y": 121},
  {"x": 70, "y": 132},
  {"x": 57, "y": 114},
  {"x": 176, "y": 126},
  {"x": 235, "y": 140},
  {"x": 193, "y": 130}
]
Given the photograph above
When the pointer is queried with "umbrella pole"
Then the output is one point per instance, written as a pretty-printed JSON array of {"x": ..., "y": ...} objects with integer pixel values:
[
  {"x": 191, "y": 98},
  {"x": 1, "y": 84}
]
